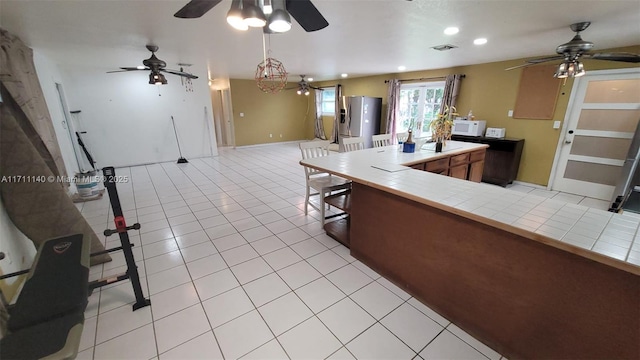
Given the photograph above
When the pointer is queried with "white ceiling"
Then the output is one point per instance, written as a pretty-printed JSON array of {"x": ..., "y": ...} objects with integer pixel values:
[{"x": 364, "y": 37}]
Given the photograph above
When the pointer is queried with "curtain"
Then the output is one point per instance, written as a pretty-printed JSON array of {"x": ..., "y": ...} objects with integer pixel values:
[
  {"x": 319, "y": 129},
  {"x": 451, "y": 91},
  {"x": 393, "y": 98},
  {"x": 29, "y": 150},
  {"x": 337, "y": 116}
]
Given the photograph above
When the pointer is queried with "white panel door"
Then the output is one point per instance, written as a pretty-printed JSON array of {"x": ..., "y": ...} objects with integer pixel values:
[{"x": 603, "y": 113}]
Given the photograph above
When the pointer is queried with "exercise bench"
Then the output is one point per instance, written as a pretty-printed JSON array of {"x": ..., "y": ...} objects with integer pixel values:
[{"x": 47, "y": 319}]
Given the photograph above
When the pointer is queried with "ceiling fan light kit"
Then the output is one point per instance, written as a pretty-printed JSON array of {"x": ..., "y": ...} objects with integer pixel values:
[
  {"x": 572, "y": 51},
  {"x": 569, "y": 69},
  {"x": 253, "y": 16},
  {"x": 304, "y": 87},
  {"x": 279, "y": 21},
  {"x": 157, "y": 67},
  {"x": 257, "y": 13},
  {"x": 234, "y": 16},
  {"x": 157, "y": 79},
  {"x": 267, "y": 6},
  {"x": 266, "y": 13}
]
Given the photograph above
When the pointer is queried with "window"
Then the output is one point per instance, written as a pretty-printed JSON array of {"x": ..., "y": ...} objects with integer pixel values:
[
  {"x": 419, "y": 103},
  {"x": 329, "y": 101}
]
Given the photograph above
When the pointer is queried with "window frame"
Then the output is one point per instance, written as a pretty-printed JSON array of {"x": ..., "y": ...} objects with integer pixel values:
[
  {"x": 325, "y": 101},
  {"x": 421, "y": 103}
]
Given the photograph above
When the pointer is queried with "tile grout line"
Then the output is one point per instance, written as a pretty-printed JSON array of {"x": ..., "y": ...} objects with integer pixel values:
[
  {"x": 197, "y": 294},
  {"x": 310, "y": 236}
]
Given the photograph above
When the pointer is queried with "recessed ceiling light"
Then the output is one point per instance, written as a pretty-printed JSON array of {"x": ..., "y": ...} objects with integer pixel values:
[
  {"x": 451, "y": 30},
  {"x": 402, "y": 68},
  {"x": 309, "y": 79},
  {"x": 344, "y": 75},
  {"x": 480, "y": 41}
]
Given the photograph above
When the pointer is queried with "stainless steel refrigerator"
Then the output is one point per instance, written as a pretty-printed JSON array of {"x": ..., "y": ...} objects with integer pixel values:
[
  {"x": 626, "y": 196},
  {"x": 361, "y": 118}
]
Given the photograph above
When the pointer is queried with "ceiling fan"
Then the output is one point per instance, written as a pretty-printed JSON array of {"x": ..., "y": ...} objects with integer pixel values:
[
  {"x": 157, "y": 67},
  {"x": 576, "y": 49},
  {"x": 255, "y": 12},
  {"x": 303, "y": 86}
]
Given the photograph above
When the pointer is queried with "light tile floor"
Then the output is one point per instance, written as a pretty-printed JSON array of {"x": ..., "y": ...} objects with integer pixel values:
[{"x": 234, "y": 269}]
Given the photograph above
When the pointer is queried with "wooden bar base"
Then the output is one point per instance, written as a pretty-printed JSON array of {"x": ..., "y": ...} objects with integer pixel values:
[
  {"x": 523, "y": 298},
  {"x": 339, "y": 229}
]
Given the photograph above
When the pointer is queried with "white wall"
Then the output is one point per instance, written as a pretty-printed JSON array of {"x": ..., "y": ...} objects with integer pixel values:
[
  {"x": 128, "y": 121},
  {"x": 49, "y": 74}
]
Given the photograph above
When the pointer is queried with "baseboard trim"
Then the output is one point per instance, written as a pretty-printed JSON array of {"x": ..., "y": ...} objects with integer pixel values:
[
  {"x": 268, "y": 144},
  {"x": 516, "y": 182}
]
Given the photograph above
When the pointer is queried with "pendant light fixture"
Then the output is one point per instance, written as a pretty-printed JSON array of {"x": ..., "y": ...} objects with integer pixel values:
[{"x": 271, "y": 76}]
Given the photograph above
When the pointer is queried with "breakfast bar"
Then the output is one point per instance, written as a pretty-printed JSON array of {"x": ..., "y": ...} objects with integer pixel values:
[{"x": 529, "y": 276}]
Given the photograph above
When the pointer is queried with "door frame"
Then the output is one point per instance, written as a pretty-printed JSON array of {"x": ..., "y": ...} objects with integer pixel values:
[{"x": 571, "y": 110}]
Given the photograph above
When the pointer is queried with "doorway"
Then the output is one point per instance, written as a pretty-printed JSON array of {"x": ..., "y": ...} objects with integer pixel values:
[
  {"x": 223, "y": 118},
  {"x": 601, "y": 119}
]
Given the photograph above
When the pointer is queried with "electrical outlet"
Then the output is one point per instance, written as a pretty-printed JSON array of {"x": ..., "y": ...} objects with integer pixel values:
[
  {"x": 280, "y": 135},
  {"x": 270, "y": 135},
  {"x": 241, "y": 114},
  {"x": 556, "y": 124},
  {"x": 510, "y": 113}
]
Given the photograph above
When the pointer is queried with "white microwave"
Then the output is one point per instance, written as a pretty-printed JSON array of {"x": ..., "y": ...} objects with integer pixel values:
[{"x": 468, "y": 127}]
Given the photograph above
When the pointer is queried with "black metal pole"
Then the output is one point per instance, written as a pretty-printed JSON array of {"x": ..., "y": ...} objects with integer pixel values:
[
  {"x": 132, "y": 269},
  {"x": 181, "y": 160}
]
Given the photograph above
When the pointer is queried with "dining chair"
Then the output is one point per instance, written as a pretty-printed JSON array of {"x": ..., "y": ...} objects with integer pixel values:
[
  {"x": 319, "y": 183},
  {"x": 353, "y": 143},
  {"x": 402, "y": 137},
  {"x": 381, "y": 140}
]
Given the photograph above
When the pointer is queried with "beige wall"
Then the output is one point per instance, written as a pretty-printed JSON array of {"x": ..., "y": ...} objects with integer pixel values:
[
  {"x": 487, "y": 89},
  {"x": 282, "y": 113},
  {"x": 490, "y": 92}
]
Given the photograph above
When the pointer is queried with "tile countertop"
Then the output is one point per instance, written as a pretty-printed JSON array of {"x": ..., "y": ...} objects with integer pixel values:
[{"x": 585, "y": 231}]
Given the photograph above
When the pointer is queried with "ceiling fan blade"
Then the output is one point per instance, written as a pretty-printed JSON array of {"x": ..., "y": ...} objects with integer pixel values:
[
  {"x": 518, "y": 67},
  {"x": 179, "y": 73},
  {"x": 541, "y": 60},
  {"x": 123, "y": 69},
  {"x": 537, "y": 61},
  {"x": 624, "y": 57},
  {"x": 196, "y": 8},
  {"x": 306, "y": 14}
]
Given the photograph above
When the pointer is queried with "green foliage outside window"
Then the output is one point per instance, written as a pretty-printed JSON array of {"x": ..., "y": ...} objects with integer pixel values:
[{"x": 419, "y": 104}]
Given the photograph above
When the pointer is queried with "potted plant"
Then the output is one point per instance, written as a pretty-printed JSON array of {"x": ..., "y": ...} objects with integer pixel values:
[{"x": 441, "y": 127}]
